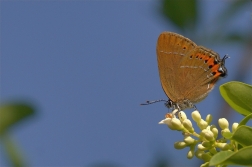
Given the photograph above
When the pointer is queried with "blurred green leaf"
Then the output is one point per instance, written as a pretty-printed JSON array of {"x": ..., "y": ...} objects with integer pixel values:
[
  {"x": 238, "y": 95},
  {"x": 234, "y": 37},
  {"x": 10, "y": 114},
  {"x": 243, "y": 135},
  {"x": 241, "y": 157},
  {"x": 232, "y": 9},
  {"x": 14, "y": 154},
  {"x": 182, "y": 13}
]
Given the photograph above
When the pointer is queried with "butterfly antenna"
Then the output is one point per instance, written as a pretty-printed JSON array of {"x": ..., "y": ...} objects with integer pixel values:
[
  {"x": 151, "y": 102},
  {"x": 224, "y": 58}
]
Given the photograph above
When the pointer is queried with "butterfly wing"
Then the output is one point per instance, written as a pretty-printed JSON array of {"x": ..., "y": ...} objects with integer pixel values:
[
  {"x": 198, "y": 72},
  {"x": 171, "y": 48}
]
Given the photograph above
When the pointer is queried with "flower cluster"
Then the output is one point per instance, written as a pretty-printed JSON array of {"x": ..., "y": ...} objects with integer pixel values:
[{"x": 204, "y": 144}]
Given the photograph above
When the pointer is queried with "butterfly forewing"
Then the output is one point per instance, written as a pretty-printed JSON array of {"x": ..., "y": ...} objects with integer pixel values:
[{"x": 171, "y": 48}]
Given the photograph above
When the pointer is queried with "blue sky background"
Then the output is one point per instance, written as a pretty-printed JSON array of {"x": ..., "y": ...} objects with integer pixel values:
[{"x": 86, "y": 66}]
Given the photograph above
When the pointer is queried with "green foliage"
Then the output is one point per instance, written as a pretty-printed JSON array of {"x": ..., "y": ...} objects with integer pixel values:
[
  {"x": 241, "y": 157},
  {"x": 243, "y": 136},
  {"x": 181, "y": 13},
  {"x": 238, "y": 95},
  {"x": 10, "y": 115}
]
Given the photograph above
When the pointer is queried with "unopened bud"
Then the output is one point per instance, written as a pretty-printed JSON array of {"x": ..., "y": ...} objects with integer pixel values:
[
  {"x": 177, "y": 125},
  {"x": 199, "y": 153},
  {"x": 208, "y": 135},
  {"x": 189, "y": 140},
  {"x": 209, "y": 119},
  {"x": 227, "y": 131},
  {"x": 196, "y": 116},
  {"x": 182, "y": 116},
  {"x": 202, "y": 124},
  {"x": 190, "y": 154},
  {"x": 214, "y": 130},
  {"x": 206, "y": 144},
  {"x": 188, "y": 125},
  {"x": 180, "y": 145},
  {"x": 201, "y": 147},
  {"x": 223, "y": 123},
  {"x": 234, "y": 126},
  {"x": 223, "y": 146}
]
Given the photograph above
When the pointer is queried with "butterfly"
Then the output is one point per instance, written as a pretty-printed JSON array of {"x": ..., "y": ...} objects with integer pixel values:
[{"x": 188, "y": 72}]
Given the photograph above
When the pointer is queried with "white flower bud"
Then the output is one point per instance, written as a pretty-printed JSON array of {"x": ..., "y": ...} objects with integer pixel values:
[
  {"x": 189, "y": 140},
  {"x": 202, "y": 124},
  {"x": 226, "y": 131},
  {"x": 214, "y": 130},
  {"x": 222, "y": 146},
  {"x": 206, "y": 144},
  {"x": 177, "y": 125},
  {"x": 201, "y": 147},
  {"x": 223, "y": 123},
  {"x": 209, "y": 118},
  {"x": 208, "y": 135},
  {"x": 196, "y": 116},
  {"x": 190, "y": 154},
  {"x": 199, "y": 153},
  {"x": 180, "y": 145},
  {"x": 234, "y": 126},
  {"x": 182, "y": 116},
  {"x": 188, "y": 125}
]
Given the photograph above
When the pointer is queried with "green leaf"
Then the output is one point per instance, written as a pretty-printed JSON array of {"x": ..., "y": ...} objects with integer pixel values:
[
  {"x": 238, "y": 95},
  {"x": 16, "y": 157},
  {"x": 245, "y": 120},
  {"x": 241, "y": 157},
  {"x": 13, "y": 113},
  {"x": 220, "y": 157},
  {"x": 243, "y": 135},
  {"x": 182, "y": 13}
]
